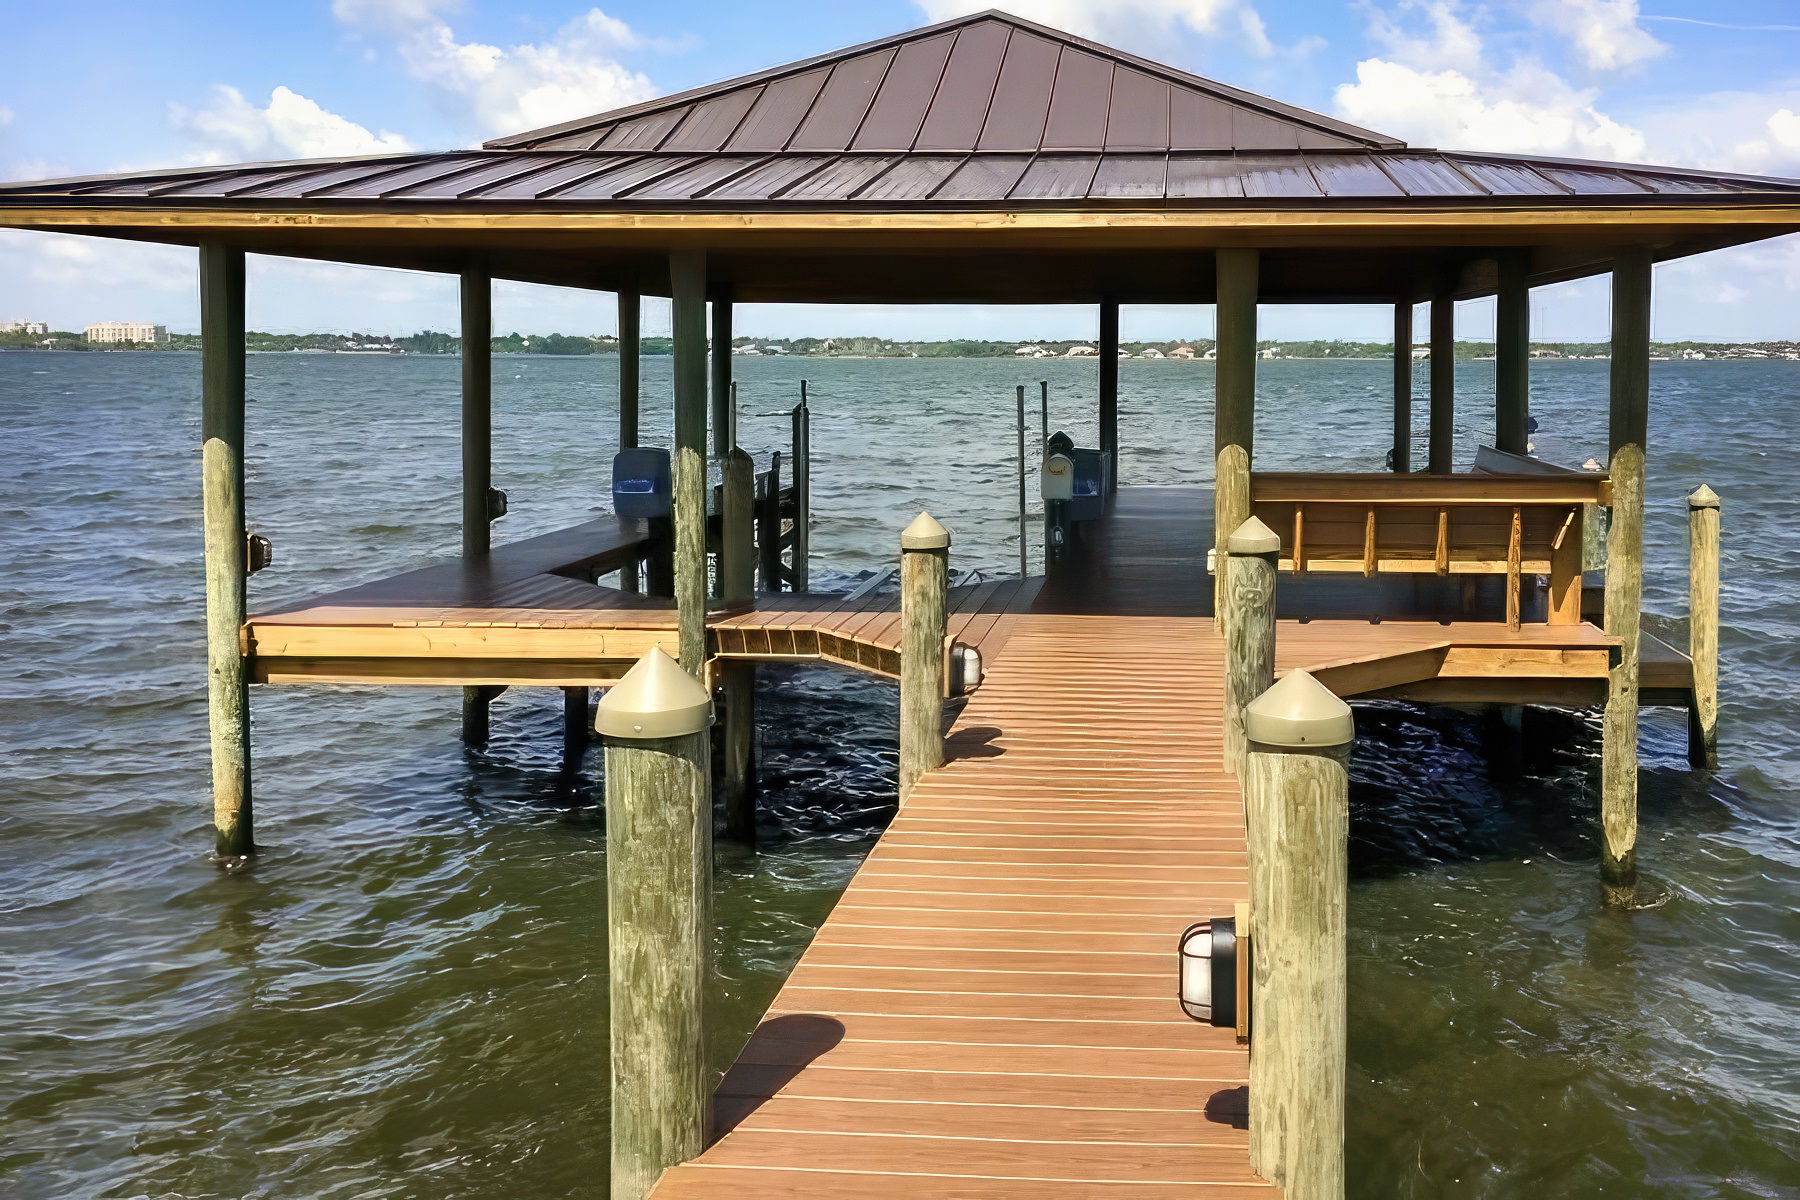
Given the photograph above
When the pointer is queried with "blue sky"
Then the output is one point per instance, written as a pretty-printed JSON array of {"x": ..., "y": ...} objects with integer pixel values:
[{"x": 105, "y": 87}]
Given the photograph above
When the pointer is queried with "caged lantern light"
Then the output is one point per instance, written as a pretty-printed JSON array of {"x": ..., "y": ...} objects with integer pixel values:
[{"x": 1208, "y": 972}]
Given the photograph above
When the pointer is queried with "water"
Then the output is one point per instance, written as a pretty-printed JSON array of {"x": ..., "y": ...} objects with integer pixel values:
[{"x": 406, "y": 995}]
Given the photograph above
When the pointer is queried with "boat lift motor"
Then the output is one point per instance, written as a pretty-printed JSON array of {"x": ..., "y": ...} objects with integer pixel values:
[
  {"x": 1056, "y": 483},
  {"x": 641, "y": 483}
]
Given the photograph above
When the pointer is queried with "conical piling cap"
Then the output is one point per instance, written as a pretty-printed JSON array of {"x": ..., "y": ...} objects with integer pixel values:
[
  {"x": 1253, "y": 537},
  {"x": 1299, "y": 711},
  {"x": 656, "y": 699},
  {"x": 1703, "y": 497},
  {"x": 925, "y": 534}
]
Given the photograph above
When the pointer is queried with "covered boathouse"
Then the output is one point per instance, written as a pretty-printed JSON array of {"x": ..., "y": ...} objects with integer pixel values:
[{"x": 991, "y": 1010}]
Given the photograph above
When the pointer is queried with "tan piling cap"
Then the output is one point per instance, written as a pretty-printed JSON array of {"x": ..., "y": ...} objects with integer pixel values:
[
  {"x": 924, "y": 534},
  {"x": 1253, "y": 537},
  {"x": 1703, "y": 497},
  {"x": 656, "y": 699},
  {"x": 1299, "y": 711}
]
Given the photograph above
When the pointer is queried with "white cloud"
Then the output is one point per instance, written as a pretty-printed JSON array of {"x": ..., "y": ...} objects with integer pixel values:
[
  {"x": 1605, "y": 33},
  {"x": 1784, "y": 127},
  {"x": 1141, "y": 23},
  {"x": 1450, "y": 41},
  {"x": 6, "y": 115},
  {"x": 290, "y": 126},
  {"x": 1526, "y": 111},
  {"x": 574, "y": 74}
]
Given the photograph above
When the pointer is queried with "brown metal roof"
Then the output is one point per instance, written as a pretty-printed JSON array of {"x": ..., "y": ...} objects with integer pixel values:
[{"x": 987, "y": 82}]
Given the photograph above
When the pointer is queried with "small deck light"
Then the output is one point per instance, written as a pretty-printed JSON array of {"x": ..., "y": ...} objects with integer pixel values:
[{"x": 1209, "y": 972}]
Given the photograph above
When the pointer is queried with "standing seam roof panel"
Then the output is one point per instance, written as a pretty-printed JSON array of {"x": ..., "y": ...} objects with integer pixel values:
[
  {"x": 608, "y": 184},
  {"x": 1251, "y": 130},
  {"x": 1428, "y": 176},
  {"x": 1352, "y": 175},
  {"x": 312, "y": 180},
  {"x": 1275, "y": 175},
  {"x": 899, "y": 109},
  {"x": 767, "y": 180},
  {"x": 1022, "y": 97},
  {"x": 1057, "y": 177},
  {"x": 709, "y": 125},
  {"x": 216, "y": 185},
  {"x": 534, "y": 184},
  {"x": 985, "y": 177},
  {"x": 1079, "y": 102},
  {"x": 967, "y": 91},
  {"x": 385, "y": 185},
  {"x": 914, "y": 177},
  {"x": 1509, "y": 179},
  {"x": 838, "y": 112},
  {"x": 1596, "y": 182},
  {"x": 779, "y": 111},
  {"x": 1198, "y": 122},
  {"x": 1131, "y": 176},
  {"x": 839, "y": 180},
  {"x": 1204, "y": 176},
  {"x": 645, "y": 133},
  {"x": 1138, "y": 116},
  {"x": 689, "y": 182}
]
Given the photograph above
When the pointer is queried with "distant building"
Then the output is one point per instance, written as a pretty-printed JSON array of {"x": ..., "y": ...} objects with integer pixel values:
[
  {"x": 1210, "y": 354},
  {"x": 126, "y": 331},
  {"x": 1153, "y": 352},
  {"x": 38, "y": 327},
  {"x": 1080, "y": 352},
  {"x": 1183, "y": 351},
  {"x": 1031, "y": 352}
]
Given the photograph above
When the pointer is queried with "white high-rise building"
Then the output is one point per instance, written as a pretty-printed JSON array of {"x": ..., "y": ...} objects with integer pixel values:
[
  {"x": 127, "y": 331},
  {"x": 39, "y": 327}
]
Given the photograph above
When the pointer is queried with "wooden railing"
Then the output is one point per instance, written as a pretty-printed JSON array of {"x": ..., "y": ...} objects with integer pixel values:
[{"x": 1512, "y": 525}]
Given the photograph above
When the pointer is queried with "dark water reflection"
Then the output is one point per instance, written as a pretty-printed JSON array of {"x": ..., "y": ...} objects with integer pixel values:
[{"x": 406, "y": 996}]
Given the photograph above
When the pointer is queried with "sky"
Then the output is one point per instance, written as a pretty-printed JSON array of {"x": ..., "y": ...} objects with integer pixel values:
[{"x": 103, "y": 87}]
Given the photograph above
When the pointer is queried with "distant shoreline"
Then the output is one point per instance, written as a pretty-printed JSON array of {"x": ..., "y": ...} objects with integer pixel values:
[{"x": 430, "y": 343}]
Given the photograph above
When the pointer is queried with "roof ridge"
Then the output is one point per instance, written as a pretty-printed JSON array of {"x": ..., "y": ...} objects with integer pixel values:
[{"x": 1172, "y": 75}]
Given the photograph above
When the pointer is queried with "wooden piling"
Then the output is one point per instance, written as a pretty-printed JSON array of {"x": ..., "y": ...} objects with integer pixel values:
[
  {"x": 477, "y": 701},
  {"x": 1109, "y": 387},
  {"x": 687, "y": 277},
  {"x": 737, "y": 789},
  {"x": 1234, "y": 406},
  {"x": 1297, "y": 817},
  {"x": 924, "y": 589},
  {"x": 1401, "y": 461},
  {"x": 768, "y": 528},
  {"x": 1629, "y": 424},
  {"x": 1254, "y": 552},
  {"x": 1512, "y": 355},
  {"x": 575, "y": 724},
  {"x": 737, "y": 530},
  {"x": 1441, "y": 455},
  {"x": 658, "y": 885},
  {"x": 1703, "y": 626},
  {"x": 630, "y": 308},
  {"x": 477, "y": 456},
  {"x": 222, "y": 509}
]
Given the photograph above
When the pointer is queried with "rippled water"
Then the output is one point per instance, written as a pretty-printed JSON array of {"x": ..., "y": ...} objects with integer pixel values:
[{"x": 406, "y": 995}]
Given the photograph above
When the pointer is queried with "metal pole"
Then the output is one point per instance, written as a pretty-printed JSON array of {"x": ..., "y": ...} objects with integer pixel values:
[
  {"x": 1043, "y": 416},
  {"x": 1024, "y": 548},
  {"x": 802, "y": 491}
]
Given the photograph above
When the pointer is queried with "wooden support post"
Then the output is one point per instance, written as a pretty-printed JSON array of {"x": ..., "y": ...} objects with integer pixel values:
[
  {"x": 687, "y": 277},
  {"x": 630, "y": 307},
  {"x": 477, "y": 410},
  {"x": 1629, "y": 427},
  {"x": 659, "y": 920},
  {"x": 1234, "y": 405},
  {"x": 222, "y": 510},
  {"x": 1703, "y": 626},
  {"x": 1255, "y": 551},
  {"x": 737, "y": 530},
  {"x": 1565, "y": 569},
  {"x": 1441, "y": 455},
  {"x": 1512, "y": 355},
  {"x": 1401, "y": 455},
  {"x": 801, "y": 575},
  {"x": 575, "y": 724},
  {"x": 924, "y": 592},
  {"x": 737, "y": 792},
  {"x": 1297, "y": 818},
  {"x": 476, "y": 703},
  {"x": 1109, "y": 388},
  {"x": 722, "y": 417},
  {"x": 768, "y": 528},
  {"x": 477, "y": 455}
]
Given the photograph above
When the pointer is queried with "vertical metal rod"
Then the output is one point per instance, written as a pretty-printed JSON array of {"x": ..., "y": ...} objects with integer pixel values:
[
  {"x": 734, "y": 413},
  {"x": 1024, "y": 548},
  {"x": 629, "y": 308}
]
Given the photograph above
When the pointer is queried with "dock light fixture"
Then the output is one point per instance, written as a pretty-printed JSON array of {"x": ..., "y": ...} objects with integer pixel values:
[{"x": 1208, "y": 972}]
